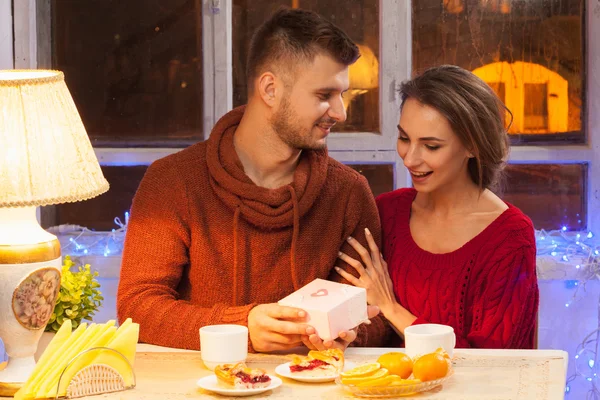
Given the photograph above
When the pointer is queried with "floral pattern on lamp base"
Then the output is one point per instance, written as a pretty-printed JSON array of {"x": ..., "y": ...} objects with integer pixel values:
[{"x": 34, "y": 298}]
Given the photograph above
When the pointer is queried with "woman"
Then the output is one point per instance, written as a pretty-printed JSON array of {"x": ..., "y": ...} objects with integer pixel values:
[{"x": 456, "y": 253}]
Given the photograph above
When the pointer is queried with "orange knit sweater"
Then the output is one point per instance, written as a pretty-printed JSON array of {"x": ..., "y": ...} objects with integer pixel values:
[{"x": 205, "y": 245}]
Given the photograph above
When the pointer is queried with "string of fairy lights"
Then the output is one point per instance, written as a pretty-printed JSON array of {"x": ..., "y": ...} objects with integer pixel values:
[{"x": 580, "y": 251}]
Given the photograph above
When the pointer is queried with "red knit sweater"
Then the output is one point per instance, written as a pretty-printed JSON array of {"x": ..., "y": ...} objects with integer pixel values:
[
  {"x": 486, "y": 290},
  {"x": 205, "y": 245}
]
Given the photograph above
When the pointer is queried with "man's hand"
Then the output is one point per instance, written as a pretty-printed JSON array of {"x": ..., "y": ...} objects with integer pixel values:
[
  {"x": 314, "y": 342},
  {"x": 273, "y": 327}
]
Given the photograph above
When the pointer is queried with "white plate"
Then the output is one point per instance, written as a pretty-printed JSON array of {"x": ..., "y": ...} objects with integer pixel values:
[
  {"x": 284, "y": 370},
  {"x": 210, "y": 383}
]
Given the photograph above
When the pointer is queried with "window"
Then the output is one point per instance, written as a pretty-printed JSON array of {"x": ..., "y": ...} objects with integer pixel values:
[
  {"x": 552, "y": 195},
  {"x": 134, "y": 68},
  {"x": 359, "y": 18},
  {"x": 535, "y": 108},
  {"x": 531, "y": 53},
  {"x": 533, "y": 47}
]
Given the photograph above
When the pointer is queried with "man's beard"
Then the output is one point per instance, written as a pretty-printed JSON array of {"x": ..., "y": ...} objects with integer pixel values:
[{"x": 286, "y": 125}]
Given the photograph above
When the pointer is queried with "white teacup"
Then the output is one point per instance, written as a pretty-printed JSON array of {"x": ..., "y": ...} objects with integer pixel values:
[
  {"x": 427, "y": 338},
  {"x": 223, "y": 344}
]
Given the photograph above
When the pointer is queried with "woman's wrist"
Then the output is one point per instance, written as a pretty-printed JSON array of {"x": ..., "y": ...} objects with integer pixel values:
[
  {"x": 398, "y": 316},
  {"x": 390, "y": 309}
]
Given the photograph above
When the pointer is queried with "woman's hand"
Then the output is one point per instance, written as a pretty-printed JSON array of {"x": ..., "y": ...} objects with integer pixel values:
[{"x": 373, "y": 275}]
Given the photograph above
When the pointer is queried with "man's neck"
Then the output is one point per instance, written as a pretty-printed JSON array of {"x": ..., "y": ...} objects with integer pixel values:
[{"x": 266, "y": 160}]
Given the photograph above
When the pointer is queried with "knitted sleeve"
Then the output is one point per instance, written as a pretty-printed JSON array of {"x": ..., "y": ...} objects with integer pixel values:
[
  {"x": 155, "y": 258},
  {"x": 361, "y": 213},
  {"x": 506, "y": 300}
]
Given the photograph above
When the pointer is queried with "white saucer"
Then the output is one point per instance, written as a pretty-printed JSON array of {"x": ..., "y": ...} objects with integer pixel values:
[
  {"x": 210, "y": 383},
  {"x": 284, "y": 370}
]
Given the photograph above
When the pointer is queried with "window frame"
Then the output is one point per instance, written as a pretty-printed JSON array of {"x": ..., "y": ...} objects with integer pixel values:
[{"x": 32, "y": 49}]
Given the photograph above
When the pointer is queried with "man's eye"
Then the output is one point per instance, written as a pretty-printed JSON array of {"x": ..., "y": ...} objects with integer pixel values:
[{"x": 324, "y": 96}]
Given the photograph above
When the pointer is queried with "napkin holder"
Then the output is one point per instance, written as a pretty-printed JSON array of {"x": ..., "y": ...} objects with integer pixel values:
[{"x": 94, "y": 379}]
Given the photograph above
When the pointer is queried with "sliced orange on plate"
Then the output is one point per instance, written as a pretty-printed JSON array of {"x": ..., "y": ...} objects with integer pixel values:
[{"x": 374, "y": 375}]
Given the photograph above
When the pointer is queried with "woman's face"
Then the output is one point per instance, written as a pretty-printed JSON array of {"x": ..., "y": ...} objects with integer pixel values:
[{"x": 432, "y": 152}]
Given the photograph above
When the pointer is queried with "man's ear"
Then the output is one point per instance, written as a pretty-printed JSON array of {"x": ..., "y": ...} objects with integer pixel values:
[{"x": 267, "y": 88}]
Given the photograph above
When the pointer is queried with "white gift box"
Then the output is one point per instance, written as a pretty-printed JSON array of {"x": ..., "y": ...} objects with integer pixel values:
[{"x": 331, "y": 307}]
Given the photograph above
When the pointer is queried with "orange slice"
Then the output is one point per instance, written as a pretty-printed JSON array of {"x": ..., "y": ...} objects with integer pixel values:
[
  {"x": 401, "y": 382},
  {"x": 383, "y": 381},
  {"x": 380, "y": 373},
  {"x": 361, "y": 370}
]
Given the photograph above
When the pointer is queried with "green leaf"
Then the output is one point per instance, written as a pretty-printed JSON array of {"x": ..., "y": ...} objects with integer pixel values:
[{"x": 79, "y": 295}]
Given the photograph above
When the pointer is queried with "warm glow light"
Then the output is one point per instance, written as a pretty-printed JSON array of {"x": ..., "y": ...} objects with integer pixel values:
[
  {"x": 13, "y": 76},
  {"x": 45, "y": 158},
  {"x": 364, "y": 74},
  {"x": 514, "y": 77},
  {"x": 45, "y": 153}
]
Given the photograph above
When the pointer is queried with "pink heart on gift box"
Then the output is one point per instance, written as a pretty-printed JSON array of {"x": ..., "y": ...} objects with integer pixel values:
[{"x": 320, "y": 293}]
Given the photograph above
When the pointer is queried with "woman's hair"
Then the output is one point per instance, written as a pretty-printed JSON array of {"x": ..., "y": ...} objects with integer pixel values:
[{"x": 474, "y": 112}]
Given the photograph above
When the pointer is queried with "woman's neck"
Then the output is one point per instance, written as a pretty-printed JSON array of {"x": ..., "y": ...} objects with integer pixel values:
[{"x": 450, "y": 201}]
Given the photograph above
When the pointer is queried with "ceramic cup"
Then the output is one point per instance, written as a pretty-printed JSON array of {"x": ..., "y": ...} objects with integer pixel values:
[
  {"x": 223, "y": 344},
  {"x": 427, "y": 338}
]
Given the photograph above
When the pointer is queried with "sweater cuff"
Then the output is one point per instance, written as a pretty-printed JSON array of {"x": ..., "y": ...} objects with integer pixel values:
[{"x": 239, "y": 316}]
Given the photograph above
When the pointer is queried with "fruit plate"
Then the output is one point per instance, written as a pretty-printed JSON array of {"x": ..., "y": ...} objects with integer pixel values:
[{"x": 393, "y": 390}]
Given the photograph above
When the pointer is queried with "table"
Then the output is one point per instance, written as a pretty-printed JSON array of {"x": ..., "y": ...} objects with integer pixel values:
[{"x": 169, "y": 374}]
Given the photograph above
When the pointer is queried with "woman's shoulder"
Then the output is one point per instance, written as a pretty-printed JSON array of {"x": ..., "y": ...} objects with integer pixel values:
[
  {"x": 395, "y": 198},
  {"x": 515, "y": 219},
  {"x": 512, "y": 229}
]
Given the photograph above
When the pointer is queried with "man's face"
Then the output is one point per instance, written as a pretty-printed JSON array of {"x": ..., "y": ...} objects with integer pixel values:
[{"x": 312, "y": 104}]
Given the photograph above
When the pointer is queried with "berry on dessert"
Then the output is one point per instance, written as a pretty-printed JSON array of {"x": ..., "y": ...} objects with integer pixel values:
[
  {"x": 318, "y": 363},
  {"x": 241, "y": 377}
]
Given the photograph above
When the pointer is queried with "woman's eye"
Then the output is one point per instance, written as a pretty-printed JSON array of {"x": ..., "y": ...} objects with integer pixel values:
[
  {"x": 430, "y": 147},
  {"x": 403, "y": 138}
]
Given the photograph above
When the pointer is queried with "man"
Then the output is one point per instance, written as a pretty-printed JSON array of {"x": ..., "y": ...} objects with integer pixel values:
[{"x": 222, "y": 230}]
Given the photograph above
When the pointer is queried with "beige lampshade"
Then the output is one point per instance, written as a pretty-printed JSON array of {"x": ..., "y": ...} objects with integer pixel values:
[{"x": 45, "y": 154}]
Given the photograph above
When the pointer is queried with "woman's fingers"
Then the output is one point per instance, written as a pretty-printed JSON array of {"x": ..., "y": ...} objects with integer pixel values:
[
  {"x": 364, "y": 253},
  {"x": 349, "y": 277},
  {"x": 376, "y": 255},
  {"x": 357, "y": 265},
  {"x": 372, "y": 245}
]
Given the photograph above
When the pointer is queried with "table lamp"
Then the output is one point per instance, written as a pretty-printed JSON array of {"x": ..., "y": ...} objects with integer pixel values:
[
  {"x": 364, "y": 74},
  {"x": 45, "y": 158}
]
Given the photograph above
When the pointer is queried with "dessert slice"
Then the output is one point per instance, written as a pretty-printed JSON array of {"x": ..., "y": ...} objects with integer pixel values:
[
  {"x": 318, "y": 363},
  {"x": 241, "y": 377}
]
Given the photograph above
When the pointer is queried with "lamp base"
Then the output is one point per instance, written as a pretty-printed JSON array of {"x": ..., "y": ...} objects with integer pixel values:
[
  {"x": 14, "y": 376},
  {"x": 28, "y": 292},
  {"x": 17, "y": 370},
  {"x": 30, "y": 269},
  {"x": 9, "y": 389}
]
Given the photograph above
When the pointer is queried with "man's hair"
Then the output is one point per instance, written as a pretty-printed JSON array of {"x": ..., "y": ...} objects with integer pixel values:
[
  {"x": 474, "y": 112},
  {"x": 292, "y": 36}
]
